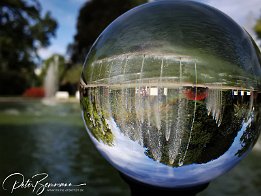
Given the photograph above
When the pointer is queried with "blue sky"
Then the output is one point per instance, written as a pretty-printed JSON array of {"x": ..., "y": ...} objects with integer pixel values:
[
  {"x": 244, "y": 12},
  {"x": 66, "y": 13}
]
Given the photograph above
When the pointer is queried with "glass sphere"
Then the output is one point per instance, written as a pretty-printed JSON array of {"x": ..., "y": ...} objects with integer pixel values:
[{"x": 170, "y": 93}]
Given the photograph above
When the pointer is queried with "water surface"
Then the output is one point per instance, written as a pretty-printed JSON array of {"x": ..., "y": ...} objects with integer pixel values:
[{"x": 36, "y": 138}]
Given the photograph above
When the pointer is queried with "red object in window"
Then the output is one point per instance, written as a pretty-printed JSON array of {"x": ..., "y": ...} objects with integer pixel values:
[
  {"x": 196, "y": 94},
  {"x": 34, "y": 92}
]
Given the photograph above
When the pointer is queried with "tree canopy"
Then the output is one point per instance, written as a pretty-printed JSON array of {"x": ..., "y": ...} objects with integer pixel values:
[
  {"x": 258, "y": 28},
  {"x": 24, "y": 29},
  {"x": 94, "y": 16}
]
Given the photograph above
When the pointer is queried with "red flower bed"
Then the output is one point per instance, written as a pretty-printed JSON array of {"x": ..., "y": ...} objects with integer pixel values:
[
  {"x": 196, "y": 94},
  {"x": 34, "y": 92}
]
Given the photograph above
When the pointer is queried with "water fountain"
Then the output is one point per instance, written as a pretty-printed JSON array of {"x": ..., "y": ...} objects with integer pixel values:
[
  {"x": 51, "y": 78},
  {"x": 51, "y": 82}
]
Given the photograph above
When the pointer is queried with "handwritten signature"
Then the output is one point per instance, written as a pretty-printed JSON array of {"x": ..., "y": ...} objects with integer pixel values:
[{"x": 36, "y": 183}]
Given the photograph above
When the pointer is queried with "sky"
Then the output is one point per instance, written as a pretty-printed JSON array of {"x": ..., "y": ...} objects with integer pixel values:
[
  {"x": 244, "y": 12},
  {"x": 65, "y": 13}
]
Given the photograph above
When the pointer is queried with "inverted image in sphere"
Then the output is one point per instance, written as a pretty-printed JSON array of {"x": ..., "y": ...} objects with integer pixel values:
[{"x": 170, "y": 93}]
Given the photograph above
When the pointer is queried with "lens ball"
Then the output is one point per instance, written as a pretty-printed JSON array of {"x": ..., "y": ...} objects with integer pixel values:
[{"x": 170, "y": 93}]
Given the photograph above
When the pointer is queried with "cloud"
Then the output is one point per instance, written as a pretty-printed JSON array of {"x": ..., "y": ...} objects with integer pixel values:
[
  {"x": 245, "y": 13},
  {"x": 45, "y": 53},
  {"x": 236, "y": 10}
]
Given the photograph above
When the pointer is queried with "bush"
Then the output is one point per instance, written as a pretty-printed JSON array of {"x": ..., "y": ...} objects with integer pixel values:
[{"x": 34, "y": 92}]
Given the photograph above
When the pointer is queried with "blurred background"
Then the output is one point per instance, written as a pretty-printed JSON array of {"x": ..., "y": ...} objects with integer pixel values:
[{"x": 43, "y": 44}]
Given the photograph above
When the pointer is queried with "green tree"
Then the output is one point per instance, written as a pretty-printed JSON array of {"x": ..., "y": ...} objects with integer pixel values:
[
  {"x": 23, "y": 30},
  {"x": 257, "y": 28},
  {"x": 94, "y": 16}
]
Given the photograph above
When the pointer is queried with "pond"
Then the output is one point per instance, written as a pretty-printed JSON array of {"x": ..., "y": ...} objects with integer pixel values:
[{"x": 49, "y": 137}]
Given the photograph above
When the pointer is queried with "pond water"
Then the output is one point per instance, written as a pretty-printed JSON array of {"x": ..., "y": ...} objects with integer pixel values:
[{"x": 39, "y": 137}]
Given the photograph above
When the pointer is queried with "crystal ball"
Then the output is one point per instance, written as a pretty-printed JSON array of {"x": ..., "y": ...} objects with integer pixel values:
[{"x": 170, "y": 93}]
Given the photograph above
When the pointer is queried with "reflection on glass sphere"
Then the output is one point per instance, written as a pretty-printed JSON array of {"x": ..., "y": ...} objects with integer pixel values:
[{"x": 170, "y": 93}]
